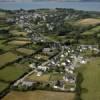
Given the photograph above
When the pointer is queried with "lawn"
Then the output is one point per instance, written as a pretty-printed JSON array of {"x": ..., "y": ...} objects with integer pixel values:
[
  {"x": 7, "y": 57},
  {"x": 39, "y": 95},
  {"x": 3, "y": 86},
  {"x": 91, "y": 83},
  {"x": 43, "y": 78},
  {"x": 12, "y": 72}
]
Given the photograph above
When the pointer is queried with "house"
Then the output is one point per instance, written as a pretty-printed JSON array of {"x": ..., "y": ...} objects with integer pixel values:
[
  {"x": 72, "y": 89},
  {"x": 43, "y": 68},
  {"x": 62, "y": 56},
  {"x": 27, "y": 83},
  {"x": 32, "y": 65},
  {"x": 63, "y": 64},
  {"x": 39, "y": 73},
  {"x": 69, "y": 78},
  {"x": 46, "y": 50}
]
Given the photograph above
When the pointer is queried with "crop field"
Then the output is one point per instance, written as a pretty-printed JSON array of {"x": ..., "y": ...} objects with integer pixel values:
[
  {"x": 7, "y": 57},
  {"x": 91, "y": 82},
  {"x": 89, "y": 21},
  {"x": 25, "y": 51},
  {"x": 42, "y": 78},
  {"x": 18, "y": 42},
  {"x": 12, "y": 72},
  {"x": 39, "y": 95}
]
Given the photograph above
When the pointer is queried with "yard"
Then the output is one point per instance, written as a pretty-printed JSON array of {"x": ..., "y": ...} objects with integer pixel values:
[
  {"x": 7, "y": 57},
  {"x": 91, "y": 82},
  {"x": 39, "y": 95}
]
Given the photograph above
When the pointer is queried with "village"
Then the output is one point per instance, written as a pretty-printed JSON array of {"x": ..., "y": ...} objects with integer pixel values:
[
  {"x": 58, "y": 71},
  {"x": 48, "y": 50}
]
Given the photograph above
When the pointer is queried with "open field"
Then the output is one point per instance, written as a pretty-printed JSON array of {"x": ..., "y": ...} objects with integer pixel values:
[
  {"x": 3, "y": 86},
  {"x": 89, "y": 21},
  {"x": 42, "y": 78},
  {"x": 7, "y": 57},
  {"x": 17, "y": 33},
  {"x": 19, "y": 42},
  {"x": 39, "y": 95},
  {"x": 12, "y": 72},
  {"x": 22, "y": 38},
  {"x": 25, "y": 51},
  {"x": 6, "y": 47},
  {"x": 93, "y": 31},
  {"x": 91, "y": 82}
]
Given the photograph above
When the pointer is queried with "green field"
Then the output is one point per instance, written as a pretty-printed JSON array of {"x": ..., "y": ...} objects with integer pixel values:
[
  {"x": 12, "y": 72},
  {"x": 17, "y": 33},
  {"x": 91, "y": 82},
  {"x": 3, "y": 86},
  {"x": 92, "y": 31},
  {"x": 7, "y": 57},
  {"x": 6, "y": 47},
  {"x": 39, "y": 95}
]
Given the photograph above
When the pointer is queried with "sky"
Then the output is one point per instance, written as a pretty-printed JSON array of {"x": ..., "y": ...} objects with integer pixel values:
[{"x": 41, "y": 0}]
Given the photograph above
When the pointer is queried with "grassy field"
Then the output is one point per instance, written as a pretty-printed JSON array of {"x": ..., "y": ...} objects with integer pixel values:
[
  {"x": 46, "y": 77},
  {"x": 6, "y": 47},
  {"x": 17, "y": 33},
  {"x": 43, "y": 78},
  {"x": 12, "y": 72},
  {"x": 39, "y": 95},
  {"x": 3, "y": 86},
  {"x": 91, "y": 83},
  {"x": 7, "y": 57},
  {"x": 92, "y": 31},
  {"x": 25, "y": 51}
]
